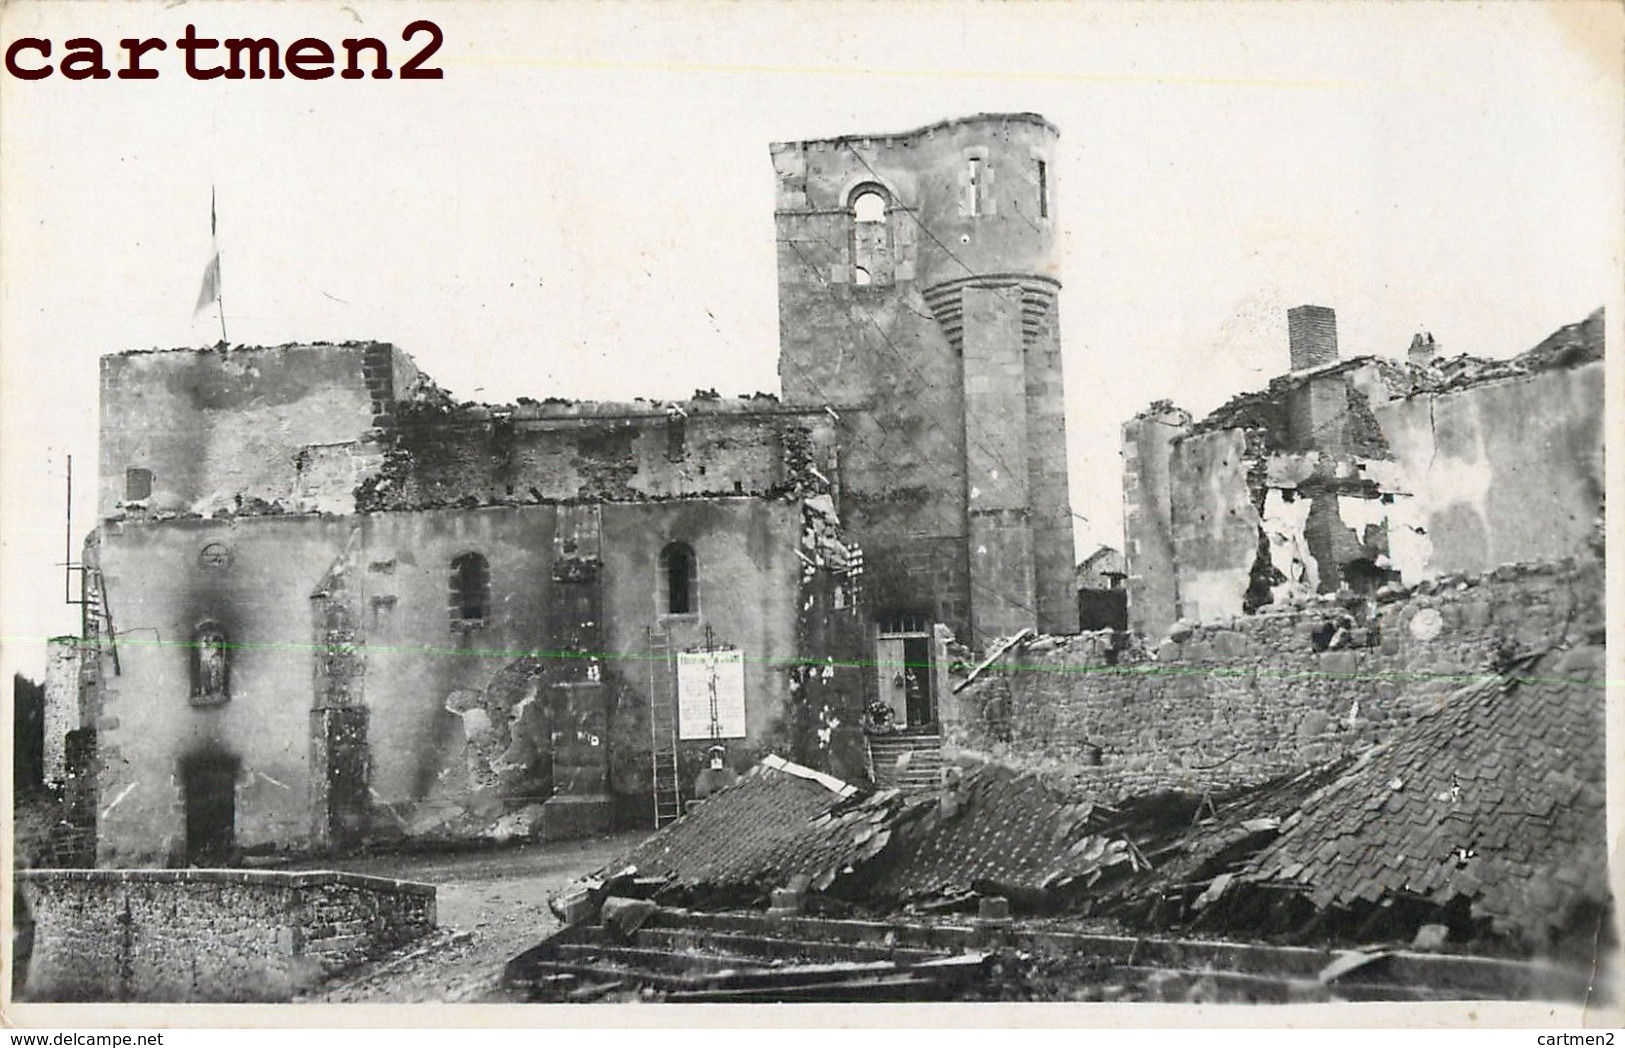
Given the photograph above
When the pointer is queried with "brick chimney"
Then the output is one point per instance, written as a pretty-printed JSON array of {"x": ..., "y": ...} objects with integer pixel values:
[
  {"x": 1423, "y": 349},
  {"x": 1312, "y": 335}
]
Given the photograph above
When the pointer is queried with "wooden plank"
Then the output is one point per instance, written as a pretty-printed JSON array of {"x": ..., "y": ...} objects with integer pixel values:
[{"x": 998, "y": 649}]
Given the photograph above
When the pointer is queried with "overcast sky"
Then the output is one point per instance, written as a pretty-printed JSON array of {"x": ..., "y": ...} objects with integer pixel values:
[{"x": 583, "y": 206}]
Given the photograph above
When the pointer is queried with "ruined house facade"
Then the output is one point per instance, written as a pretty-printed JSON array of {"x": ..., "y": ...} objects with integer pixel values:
[
  {"x": 332, "y": 605},
  {"x": 1349, "y": 474},
  {"x": 392, "y": 615}
]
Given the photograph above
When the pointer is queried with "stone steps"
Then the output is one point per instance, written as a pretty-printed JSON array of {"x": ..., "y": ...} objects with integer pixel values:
[{"x": 920, "y": 754}]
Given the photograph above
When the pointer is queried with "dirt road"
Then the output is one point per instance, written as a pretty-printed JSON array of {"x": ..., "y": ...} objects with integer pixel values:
[{"x": 491, "y": 905}]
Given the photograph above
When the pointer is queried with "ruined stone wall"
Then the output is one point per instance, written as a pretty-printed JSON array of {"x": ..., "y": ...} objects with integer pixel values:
[
  {"x": 1347, "y": 478},
  {"x": 209, "y": 935},
  {"x": 62, "y": 707},
  {"x": 561, "y": 451},
  {"x": 1148, "y": 536},
  {"x": 1266, "y": 499},
  {"x": 455, "y": 732},
  {"x": 1503, "y": 472},
  {"x": 283, "y": 426},
  {"x": 1215, "y": 525},
  {"x": 341, "y": 633},
  {"x": 1244, "y": 699}
]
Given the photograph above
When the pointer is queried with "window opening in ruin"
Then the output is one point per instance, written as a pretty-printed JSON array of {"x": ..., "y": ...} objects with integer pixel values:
[
  {"x": 137, "y": 484},
  {"x": 904, "y": 624},
  {"x": 903, "y": 667},
  {"x": 470, "y": 589},
  {"x": 869, "y": 206},
  {"x": 210, "y": 657},
  {"x": 678, "y": 580},
  {"x": 209, "y": 788},
  {"x": 871, "y": 247},
  {"x": 1043, "y": 190},
  {"x": 1364, "y": 576},
  {"x": 973, "y": 187}
]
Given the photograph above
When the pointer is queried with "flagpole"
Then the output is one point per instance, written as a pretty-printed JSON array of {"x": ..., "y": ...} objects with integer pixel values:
[
  {"x": 210, "y": 291},
  {"x": 220, "y": 285},
  {"x": 220, "y": 301}
]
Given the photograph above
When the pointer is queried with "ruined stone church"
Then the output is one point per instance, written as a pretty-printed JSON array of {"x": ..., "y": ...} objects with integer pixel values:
[{"x": 329, "y": 604}]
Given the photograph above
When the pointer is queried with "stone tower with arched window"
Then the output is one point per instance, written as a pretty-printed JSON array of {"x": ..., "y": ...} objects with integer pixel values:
[{"x": 917, "y": 294}]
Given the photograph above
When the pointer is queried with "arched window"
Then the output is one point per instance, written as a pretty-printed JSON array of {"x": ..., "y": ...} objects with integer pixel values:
[
  {"x": 869, "y": 206},
  {"x": 679, "y": 583},
  {"x": 210, "y": 665},
  {"x": 871, "y": 236},
  {"x": 470, "y": 590}
]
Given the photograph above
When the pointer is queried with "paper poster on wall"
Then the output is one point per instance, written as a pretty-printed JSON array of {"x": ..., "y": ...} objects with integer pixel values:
[{"x": 711, "y": 694}]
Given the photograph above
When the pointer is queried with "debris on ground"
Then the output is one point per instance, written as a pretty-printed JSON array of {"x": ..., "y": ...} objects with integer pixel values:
[{"x": 1484, "y": 819}]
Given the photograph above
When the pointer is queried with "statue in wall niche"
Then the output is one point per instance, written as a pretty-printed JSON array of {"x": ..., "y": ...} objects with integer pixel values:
[
  {"x": 211, "y": 662},
  {"x": 212, "y": 659}
]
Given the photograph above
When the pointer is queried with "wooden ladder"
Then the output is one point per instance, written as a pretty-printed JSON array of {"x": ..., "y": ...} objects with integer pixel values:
[{"x": 667, "y": 793}]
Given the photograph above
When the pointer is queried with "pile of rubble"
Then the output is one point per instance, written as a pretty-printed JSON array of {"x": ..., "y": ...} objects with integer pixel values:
[{"x": 1479, "y": 831}]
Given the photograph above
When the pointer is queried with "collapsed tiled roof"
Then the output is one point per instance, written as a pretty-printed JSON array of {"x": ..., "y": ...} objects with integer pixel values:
[
  {"x": 759, "y": 833},
  {"x": 1206, "y": 836},
  {"x": 783, "y": 824},
  {"x": 1004, "y": 832},
  {"x": 1490, "y": 807},
  {"x": 1497, "y": 798}
]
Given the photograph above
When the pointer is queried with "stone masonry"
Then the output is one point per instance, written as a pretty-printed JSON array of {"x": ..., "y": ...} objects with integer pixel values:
[
  {"x": 209, "y": 935},
  {"x": 1239, "y": 701}
]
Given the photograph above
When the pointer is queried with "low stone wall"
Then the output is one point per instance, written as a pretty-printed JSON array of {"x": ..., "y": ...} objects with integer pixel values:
[
  {"x": 1240, "y": 701},
  {"x": 209, "y": 935}
]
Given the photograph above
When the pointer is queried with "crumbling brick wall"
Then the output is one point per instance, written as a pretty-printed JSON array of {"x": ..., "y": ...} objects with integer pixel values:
[
  {"x": 209, "y": 935},
  {"x": 1239, "y": 701}
]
